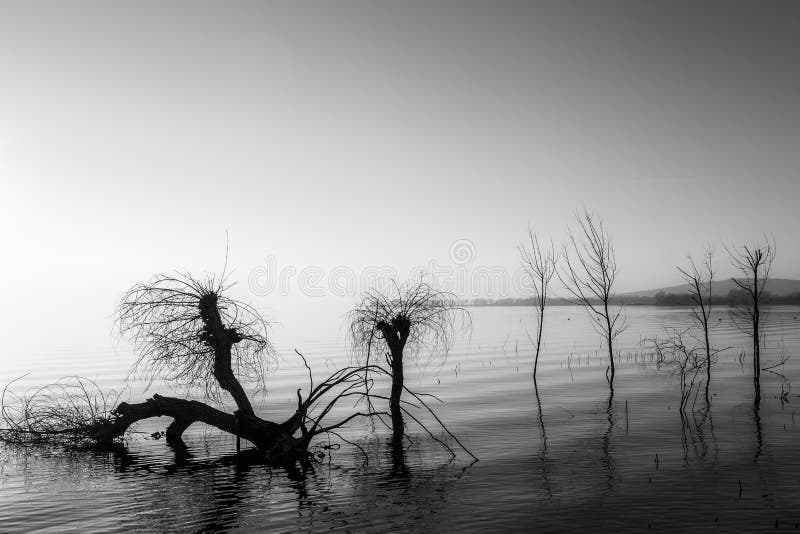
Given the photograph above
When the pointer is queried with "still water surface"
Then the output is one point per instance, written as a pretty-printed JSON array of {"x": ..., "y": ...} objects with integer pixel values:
[{"x": 575, "y": 457}]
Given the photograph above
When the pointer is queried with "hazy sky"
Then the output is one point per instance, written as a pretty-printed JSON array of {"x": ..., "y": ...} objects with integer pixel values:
[{"x": 356, "y": 134}]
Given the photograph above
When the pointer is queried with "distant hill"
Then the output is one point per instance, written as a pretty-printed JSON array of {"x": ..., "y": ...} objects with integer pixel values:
[
  {"x": 779, "y": 287},
  {"x": 779, "y": 291}
]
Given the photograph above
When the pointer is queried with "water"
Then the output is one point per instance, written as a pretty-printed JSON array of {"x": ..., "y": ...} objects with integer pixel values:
[{"x": 588, "y": 460}]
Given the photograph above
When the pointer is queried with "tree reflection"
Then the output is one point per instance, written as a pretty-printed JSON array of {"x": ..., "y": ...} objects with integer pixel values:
[
  {"x": 759, "y": 436},
  {"x": 608, "y": 460},
  {"x": 544, "y": 450},
  {"x": 697, "y": 434}
]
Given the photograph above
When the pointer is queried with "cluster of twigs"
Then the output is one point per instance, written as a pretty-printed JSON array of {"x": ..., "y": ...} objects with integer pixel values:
[
  {"x": 432, "y": 314},
  {"x": 687, "y": 361},
  {"x": 349, "y": 382},
  {"x": 66, "y": 412},
  {"x": 164, "y": 321},
  {"x": 345, "y": 383}
]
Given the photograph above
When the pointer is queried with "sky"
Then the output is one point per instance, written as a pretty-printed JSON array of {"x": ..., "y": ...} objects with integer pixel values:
[{"x": 323, "y": 140}]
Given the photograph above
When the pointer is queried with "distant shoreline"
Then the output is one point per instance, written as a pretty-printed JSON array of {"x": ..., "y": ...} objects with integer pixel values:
[{"x": 663, "y": 300}]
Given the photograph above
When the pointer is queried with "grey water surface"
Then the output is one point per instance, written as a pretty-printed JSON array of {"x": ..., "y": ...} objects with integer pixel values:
[{"x": 568, "y": 455}]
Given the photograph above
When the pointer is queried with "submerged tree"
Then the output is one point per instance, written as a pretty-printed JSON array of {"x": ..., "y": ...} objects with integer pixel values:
[
  {"x": 540, "y": 265},
  {"x": 700, "y": 280},
  {"x": 588, "y": 273},
  {"x": 754, "y": 262},
  {"x": 190, "y": 332},
  {"x": 406, "y": 319}
]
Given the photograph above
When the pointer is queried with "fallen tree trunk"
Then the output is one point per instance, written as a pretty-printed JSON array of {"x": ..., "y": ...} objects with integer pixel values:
[{"x": 275, "y": 439}]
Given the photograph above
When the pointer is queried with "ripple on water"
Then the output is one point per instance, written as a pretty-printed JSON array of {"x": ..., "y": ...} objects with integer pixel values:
[{"x": 582, "y": 463}]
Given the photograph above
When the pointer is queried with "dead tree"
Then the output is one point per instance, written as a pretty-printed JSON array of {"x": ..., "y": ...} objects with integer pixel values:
[
  {"x": 754, "y": 262},
  {"x": 189, "y": 332},
  {"x": 700, "y": 280},
  {"x": 540, "y": 265},
  {"x": 407, "y": 318},
  {"x": 588, "y": 272}
]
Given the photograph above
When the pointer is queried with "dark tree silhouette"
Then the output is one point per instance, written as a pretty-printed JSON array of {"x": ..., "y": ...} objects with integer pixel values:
[
  {"x": 754, "y": 262},
  {"x": 407, "y": 319},
  {"x": 588, "y": 272},
  {"x": 700, "y": 280},
  {"x": 540, "y": 265},
  {"x": 190, "y": 332}
]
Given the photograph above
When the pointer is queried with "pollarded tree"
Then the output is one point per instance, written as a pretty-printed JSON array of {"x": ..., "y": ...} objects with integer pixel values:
[
  {"x": 405, "y": 320},
  {"x": 189, "y": 332},
  {"x": 589, "y": 270}
]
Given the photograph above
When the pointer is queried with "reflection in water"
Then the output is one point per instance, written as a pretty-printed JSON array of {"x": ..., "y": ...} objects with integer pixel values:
[
  {"x": 608, "y": 460},
  {"x": 544, "y": 450},
  {"x": 412, "y": 486},
  {"x": 697, "y": 435},
  {"x": 759, "y": 436},
  {"x": 397, "y": 452}
]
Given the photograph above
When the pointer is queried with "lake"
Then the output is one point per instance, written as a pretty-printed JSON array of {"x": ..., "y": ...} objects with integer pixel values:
[{"x": 567, "y": 455}]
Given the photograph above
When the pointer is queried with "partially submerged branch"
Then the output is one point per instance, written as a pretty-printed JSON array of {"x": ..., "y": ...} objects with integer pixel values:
[{"x": 64, "y": 413}]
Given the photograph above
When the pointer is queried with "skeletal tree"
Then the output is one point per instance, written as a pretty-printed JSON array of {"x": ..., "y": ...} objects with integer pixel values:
[
  {"x": 754, "y": 262},
  {"x": 588, "y": 272},
  {"x": 540, "y": 265},
  {"x": 700, "y": 280},
  {"x": 189, "y": 332},
  {"x": 407, "y": 318}
]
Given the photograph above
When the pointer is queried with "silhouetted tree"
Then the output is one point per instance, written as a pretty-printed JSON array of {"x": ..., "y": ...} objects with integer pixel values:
[
  {"x": 540, "y": 265},
  {"x": 754, "y": 262},
  {"x": 588, "y": 272},
  {"x": 189, "y": 332},
  {"x": 407, "y": 318},
  {"x": 700, "y": 280}
]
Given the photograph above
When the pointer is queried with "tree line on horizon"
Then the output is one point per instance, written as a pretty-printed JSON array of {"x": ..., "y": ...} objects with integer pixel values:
[{"x": 734, "y": 297}]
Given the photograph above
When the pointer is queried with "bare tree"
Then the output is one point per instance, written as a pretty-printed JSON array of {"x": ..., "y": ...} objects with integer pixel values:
[
  {"x": 189, "y": 332},
  {"x": 540, "y": 265},
  {"x": 754, "y": 262},
  {"x": 588, "y": 272},
  {"x": 407, "y": 318},
  {"x": 700, "y": 280}
]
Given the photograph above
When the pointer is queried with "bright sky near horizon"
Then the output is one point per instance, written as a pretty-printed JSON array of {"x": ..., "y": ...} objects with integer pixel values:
[{"x": 343, "y": 135}]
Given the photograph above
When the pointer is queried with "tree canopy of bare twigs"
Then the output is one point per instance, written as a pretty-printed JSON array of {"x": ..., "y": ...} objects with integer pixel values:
[
  {"x": 754, "y": 262},
  {"x": 700, "y": 279},
  {"x": 189, "y": 332},
  {"x": 540, "y": 266},
  {"x": 676, "y": 355},
  {"x": 408, "y": 318},
  {"x": 414, "y": 314},
  {"x": 589, "y": 270},
  {"x": 65, "y": 412}
]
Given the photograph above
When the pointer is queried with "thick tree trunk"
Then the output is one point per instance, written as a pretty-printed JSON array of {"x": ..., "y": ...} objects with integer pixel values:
[
  {"x": 397, "y": 391},
  {"x": 276, "y": 439},
  {"x": 227, "y": 380},
  {"x": 222, "y": 339},
  {"x": 396, "y": 334}
]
